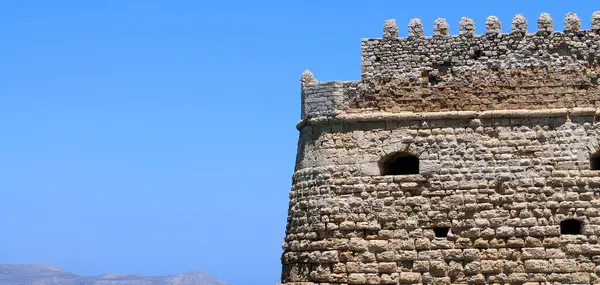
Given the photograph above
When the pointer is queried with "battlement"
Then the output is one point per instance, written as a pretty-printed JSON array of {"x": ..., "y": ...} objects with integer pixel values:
[
  {"x": 416, "y": 52},
  {"x": 468, "y": 72}
]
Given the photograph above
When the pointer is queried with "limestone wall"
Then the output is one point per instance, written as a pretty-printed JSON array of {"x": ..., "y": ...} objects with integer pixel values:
[
  {"x": 494, "y": 71},
  {"x": 546, "y": 47},
  {"x": 325, "y": 98},
  {"x": 501, "y": 182},
  {"x": 504, "y": 127}
]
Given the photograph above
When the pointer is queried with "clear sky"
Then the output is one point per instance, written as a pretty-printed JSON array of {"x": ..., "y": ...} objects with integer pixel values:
[{"x": 157, "y": 137}]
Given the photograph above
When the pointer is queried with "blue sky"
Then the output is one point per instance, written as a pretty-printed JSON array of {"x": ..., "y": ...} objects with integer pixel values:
[{"x": 157, "y": 137}]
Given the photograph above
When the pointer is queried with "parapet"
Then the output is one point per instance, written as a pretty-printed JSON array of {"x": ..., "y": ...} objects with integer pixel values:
[
  {"x": 468, "y": 72},
  {"x": 324, "y": 98},
  {"x": 417, "y": 52}
]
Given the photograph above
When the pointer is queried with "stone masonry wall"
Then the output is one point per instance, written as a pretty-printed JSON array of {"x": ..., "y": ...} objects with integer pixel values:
[
  {"x": 504, "y": 127},
  {"x": 502, "y": 184},
  {"x": 494, "y": 71},
  {"x": 518, "y": 49}
]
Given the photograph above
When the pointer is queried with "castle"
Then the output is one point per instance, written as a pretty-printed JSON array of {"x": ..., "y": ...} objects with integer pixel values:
[{"x": 467, "y": 159}]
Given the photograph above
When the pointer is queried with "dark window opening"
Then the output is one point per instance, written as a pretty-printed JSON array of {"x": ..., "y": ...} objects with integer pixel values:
[
  {"x": 571, "y": 227},
  {"x": 478, "y": 54},
  {"x": 595, "y": 161},
  {"x": 441, "y": 232},
  {"x": 377, "y": 59},
  {"x": 433, "y": 80},
  {"x": 400, "y": 164},
  {"x": 406, "y": 264}
]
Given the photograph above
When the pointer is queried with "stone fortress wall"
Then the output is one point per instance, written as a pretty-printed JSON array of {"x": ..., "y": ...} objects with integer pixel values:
[
  {"x": 545, "y": 69},
  {"x": 503, "y": 131}
]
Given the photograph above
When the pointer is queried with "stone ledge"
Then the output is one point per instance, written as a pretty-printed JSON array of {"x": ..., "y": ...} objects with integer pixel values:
[{"x": 407, "y": 116}]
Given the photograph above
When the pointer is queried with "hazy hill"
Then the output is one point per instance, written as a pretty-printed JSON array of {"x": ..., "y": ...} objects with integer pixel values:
[{"x": 31, "y": 274}]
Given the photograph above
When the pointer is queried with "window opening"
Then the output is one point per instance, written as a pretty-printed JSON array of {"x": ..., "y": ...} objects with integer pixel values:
[
  {"x": 441, "y": 232},
  {"x": 595, "y": 161},
  {"x": 571, "y": 227},
  {"x": 400, "y": 164}
]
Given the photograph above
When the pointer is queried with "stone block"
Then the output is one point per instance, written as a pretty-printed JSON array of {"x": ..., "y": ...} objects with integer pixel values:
[
  {"x": 410, "y": 277},
  {"x": 390, "y": 279},
  {"x": 534, "y": 253},
  {"x": 537, "y": 266},
  {"x": 358, "y": 244},
  {"x": 378, "y": 245},
  {"x": 388, "y": 267},
  {"x": 357, "y": 278},
  {"x": 563, "y": 265}
]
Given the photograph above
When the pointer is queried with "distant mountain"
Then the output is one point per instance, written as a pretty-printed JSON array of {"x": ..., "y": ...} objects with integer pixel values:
[{"x": 33, "y": 274}]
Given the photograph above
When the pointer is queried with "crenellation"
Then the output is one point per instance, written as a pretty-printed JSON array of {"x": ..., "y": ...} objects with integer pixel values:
[
  {"x": 596, "y": 21},
  {"x": 545, "y": 23},
  {"x": 415, "y": 28},
  {"x": 572, "y": 23},
  {"x": 390, "y": 29},
  {"x": 519, "y": 24},
  {"x": 493, "y": 25},
  {"x": 467, "y": 27},
  {"x": 469, "y": 159},
  {"x": 308, "y": 78},
  {"x": 418, "y": 54},
  {"x": 441, "y": 28}
]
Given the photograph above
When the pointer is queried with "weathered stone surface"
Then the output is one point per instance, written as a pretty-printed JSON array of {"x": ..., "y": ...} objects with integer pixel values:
[
  {"x": 541, "y": 70},
  {"x": 545, "y": 23},
  {"x": 519, "y": 24},
  {"x": 572, "y": 23},
  {"x": 504, "y": 128},
  {"x": 492, "y": 25},
  {"x": 390, "y": 29},
  {"x": 415, "y": 28},
  {"x": 467, "y": 27},
  {"x": 596, "y": 21},
  {"x": 308, "y": 78},
  {"x": 441, "y": 27}
]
